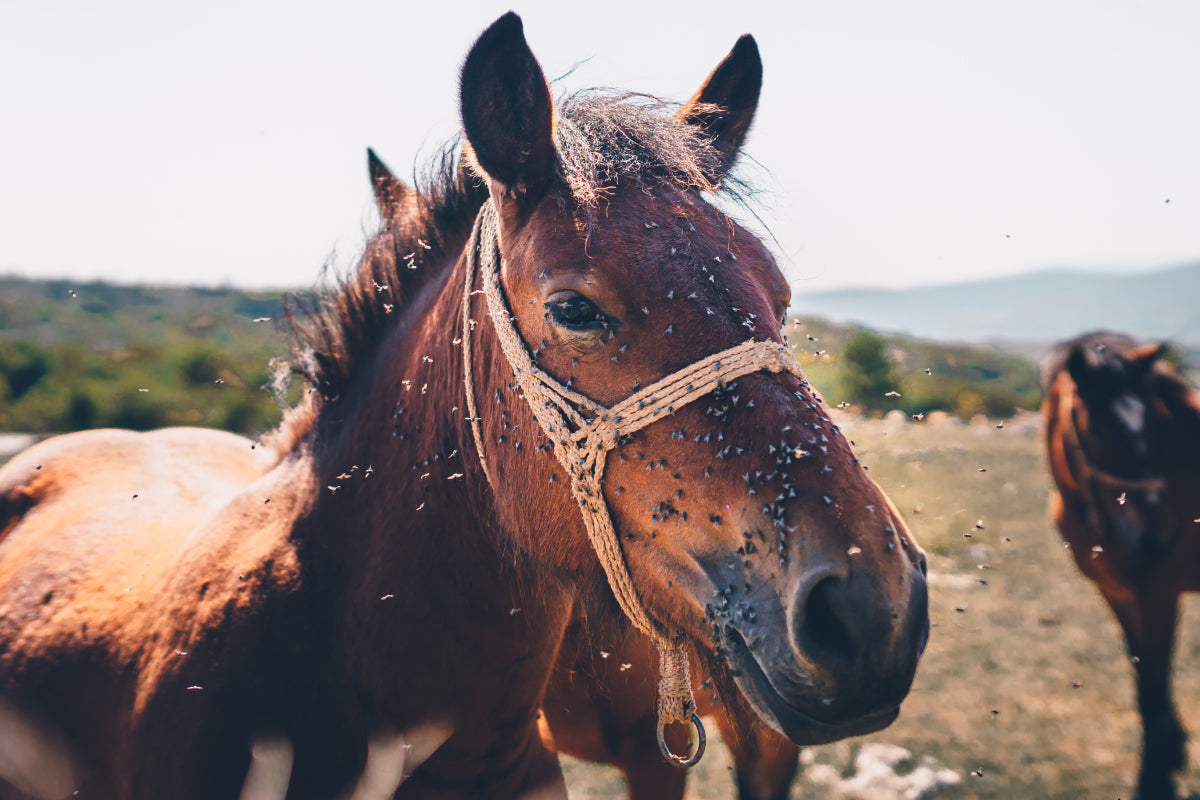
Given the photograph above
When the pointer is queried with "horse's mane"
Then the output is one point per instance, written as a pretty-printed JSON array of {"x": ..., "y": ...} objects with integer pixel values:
[
  {"x": 604, "y": 140},
  {"x": 331, "y": 332}
]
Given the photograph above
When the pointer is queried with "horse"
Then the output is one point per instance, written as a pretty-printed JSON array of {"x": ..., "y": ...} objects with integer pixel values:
[
  {"x": 1123, "y": 439},
  {"x": 600, "y": 704},
  {"x": 561, "y": 385}
]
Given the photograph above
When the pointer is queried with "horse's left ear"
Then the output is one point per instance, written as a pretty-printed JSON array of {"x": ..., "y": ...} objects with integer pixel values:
[
  {"x": 725, "y": 105},
  {"x": 507, "y": 112},
  {"x": 390, "y": 192}
]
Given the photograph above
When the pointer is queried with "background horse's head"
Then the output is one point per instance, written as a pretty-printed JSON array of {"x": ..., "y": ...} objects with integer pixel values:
[
  {"x": 747, "y": 525},
  {"x": 1115, "y": 382}
]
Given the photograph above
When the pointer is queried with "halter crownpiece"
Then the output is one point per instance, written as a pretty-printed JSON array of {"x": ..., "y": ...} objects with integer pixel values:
[{"x": 583, "y": 431}]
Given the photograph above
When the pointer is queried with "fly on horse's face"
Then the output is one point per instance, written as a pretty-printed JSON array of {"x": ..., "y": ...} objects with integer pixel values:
[{"x": 746, "y": 523}]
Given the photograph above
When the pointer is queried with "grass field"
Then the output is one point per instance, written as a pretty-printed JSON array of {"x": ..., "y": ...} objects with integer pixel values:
[{"x": 1025, "y": 682}]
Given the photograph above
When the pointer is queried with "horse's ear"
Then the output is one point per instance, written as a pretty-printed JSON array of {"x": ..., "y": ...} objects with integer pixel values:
[
  {"x": 390, "y": 191},
  {"x": 1141, "y": 359},
  {"x": 1079, "y": 369},
  {"x": 1145, "y": 355},
  {"x": 507, "y": 112},
  {"x": 724, "y": 107}
]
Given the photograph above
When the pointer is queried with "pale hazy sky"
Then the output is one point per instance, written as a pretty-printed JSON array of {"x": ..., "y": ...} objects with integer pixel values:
[{"x": 903, "y": 142}]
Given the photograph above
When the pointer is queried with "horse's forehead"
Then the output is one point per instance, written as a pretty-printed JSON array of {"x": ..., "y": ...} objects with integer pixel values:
[
  {"x": 672, "y": 240},
  {"x": 1130, "y": 411}
]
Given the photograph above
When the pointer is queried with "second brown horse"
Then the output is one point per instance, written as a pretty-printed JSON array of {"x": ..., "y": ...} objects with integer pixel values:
[{"x": 1123, "y": 439}]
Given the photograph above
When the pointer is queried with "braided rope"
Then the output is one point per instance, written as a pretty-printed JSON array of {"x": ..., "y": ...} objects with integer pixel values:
[{"x": 583, "y": 431}]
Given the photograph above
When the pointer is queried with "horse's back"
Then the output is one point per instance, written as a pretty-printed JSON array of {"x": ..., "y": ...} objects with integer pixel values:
[
  {"x": 100, "y": 530},
  {"x": 88, "y": 469},
  {"x": 88, "y": 517}
]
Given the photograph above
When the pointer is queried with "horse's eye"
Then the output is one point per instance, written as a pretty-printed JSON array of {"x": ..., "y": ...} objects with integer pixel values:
[{"x": 573, "y": 310}]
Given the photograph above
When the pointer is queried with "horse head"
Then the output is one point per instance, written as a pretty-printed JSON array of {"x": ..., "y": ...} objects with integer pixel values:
[{"x": 746, "y": 526}]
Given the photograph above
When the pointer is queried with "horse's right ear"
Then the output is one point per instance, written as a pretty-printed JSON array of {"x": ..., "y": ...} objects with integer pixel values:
[
  {"x": 390, "y": 191},
  {"x": 1080, "y": 371},
  {"x": 507, "y": 112}
]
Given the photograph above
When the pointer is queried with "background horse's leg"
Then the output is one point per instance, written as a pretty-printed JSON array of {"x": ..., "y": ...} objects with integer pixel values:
[
  {"x": 1148, "y": 617},
  {"x": 766, "y": 762}
]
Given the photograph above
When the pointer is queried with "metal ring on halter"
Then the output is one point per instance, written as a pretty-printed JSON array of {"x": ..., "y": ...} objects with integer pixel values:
[{"x": 683, "y": 762}]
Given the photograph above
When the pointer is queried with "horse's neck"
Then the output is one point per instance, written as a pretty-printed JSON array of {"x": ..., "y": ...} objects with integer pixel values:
[{"x": 433, "y": 588}]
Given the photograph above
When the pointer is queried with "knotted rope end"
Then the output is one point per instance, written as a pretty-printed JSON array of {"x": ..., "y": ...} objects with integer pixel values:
[{"x": 675, "y": 700}]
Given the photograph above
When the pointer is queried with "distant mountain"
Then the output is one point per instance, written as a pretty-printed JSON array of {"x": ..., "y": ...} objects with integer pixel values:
[{"x": 1041, "y": 306}]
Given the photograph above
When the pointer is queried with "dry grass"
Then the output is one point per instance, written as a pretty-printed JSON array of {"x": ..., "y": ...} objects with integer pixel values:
[{"x": 1025, "y": 679}]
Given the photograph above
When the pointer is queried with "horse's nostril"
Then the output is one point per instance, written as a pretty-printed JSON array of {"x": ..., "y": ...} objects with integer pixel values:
[
  {"x": 923, "y": 563},
  {"x": 823, "y": 630}
]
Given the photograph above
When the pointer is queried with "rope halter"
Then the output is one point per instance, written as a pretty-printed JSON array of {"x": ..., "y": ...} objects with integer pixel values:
[{"x": 583, "y": 431}]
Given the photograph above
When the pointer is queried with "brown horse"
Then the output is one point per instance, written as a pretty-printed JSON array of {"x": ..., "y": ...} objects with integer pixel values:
[
  {"x": 601, "y": 702},
  {"x": 371, "y": 602},
  {"x": 1123, "y": 433}
]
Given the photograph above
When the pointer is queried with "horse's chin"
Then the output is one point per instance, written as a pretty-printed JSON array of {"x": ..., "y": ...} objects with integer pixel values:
[{"x": 801, "y": 726}]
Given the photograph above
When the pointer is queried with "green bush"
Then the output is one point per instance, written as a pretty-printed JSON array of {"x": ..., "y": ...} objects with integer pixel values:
[
  {"x": 22, "y": 365},
  {"x": 866, "y": 373}
]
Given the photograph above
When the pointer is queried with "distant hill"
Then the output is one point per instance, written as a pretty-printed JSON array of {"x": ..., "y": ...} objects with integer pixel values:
[{"x": 1043, "y": 306}]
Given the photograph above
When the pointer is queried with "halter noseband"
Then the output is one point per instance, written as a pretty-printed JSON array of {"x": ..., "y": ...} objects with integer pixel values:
[{"x": 583, "y": 431}]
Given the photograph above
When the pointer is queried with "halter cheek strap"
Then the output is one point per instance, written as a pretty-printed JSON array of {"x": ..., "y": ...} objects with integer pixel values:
[{"x": 583, "y": 431}]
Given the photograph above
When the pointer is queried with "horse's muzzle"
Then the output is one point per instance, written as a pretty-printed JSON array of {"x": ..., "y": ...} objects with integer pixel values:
[{"x": 849, "y": 662}]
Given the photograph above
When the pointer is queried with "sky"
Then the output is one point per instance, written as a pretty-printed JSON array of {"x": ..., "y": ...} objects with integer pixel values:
[{"x": 897, "y": 143}]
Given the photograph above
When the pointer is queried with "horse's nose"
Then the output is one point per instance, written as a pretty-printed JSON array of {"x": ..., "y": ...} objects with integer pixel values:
[
  {"x": 827, "y": 622},
  {"x": 849, "y": 626}
]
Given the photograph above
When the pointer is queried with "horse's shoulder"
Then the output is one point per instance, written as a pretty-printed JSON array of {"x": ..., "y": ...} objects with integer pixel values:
[
  {"x": 232, "y": 587},
  {"x": 160, "y": 543},
  {"x": 101, "y": 509}
]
